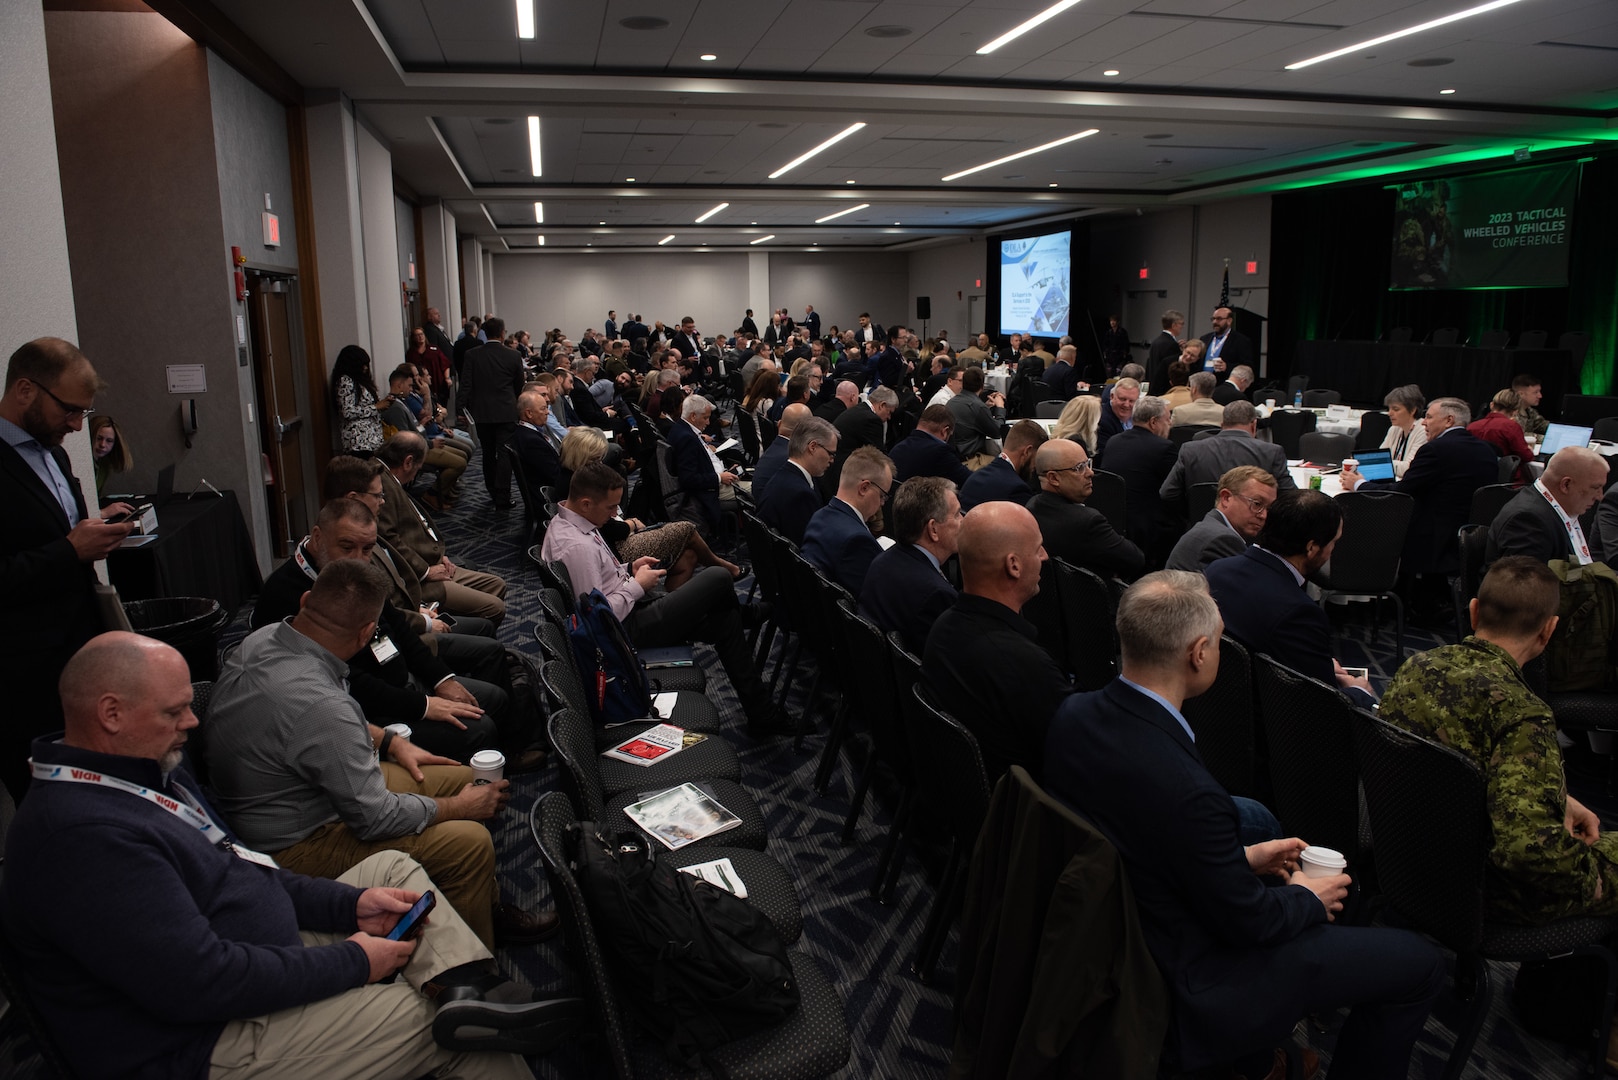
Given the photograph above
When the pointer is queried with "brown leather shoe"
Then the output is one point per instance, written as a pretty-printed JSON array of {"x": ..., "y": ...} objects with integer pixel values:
[
  {"x": 514, "y": 926},
  {"x": 526, "y": 761}
]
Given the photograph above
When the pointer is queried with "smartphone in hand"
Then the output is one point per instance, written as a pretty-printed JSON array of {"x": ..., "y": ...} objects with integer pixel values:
[{"x": 410, "y": 924}]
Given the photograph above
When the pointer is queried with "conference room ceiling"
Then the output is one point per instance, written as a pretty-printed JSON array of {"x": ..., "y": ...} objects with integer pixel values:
[{"x": 638, "y": 132}]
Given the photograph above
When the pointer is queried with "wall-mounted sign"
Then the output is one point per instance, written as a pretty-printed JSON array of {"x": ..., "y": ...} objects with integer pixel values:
[{"x": 187, "y": 378}]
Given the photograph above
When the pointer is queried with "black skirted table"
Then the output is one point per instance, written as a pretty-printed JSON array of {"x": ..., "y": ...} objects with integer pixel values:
[
  {"x": 201, "y": 548},
  {"x": 1364, "y": 371}
]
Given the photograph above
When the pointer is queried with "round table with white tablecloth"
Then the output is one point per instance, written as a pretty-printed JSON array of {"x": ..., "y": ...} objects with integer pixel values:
[
  {"x": 1330, "y": 482},
  {"x": 997, "y": 379}
]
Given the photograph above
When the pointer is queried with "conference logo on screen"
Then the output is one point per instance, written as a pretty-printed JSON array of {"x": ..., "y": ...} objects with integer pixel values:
[
  {"x": 1036, "y": 281},
  {"x": 1509, "y": 229}
]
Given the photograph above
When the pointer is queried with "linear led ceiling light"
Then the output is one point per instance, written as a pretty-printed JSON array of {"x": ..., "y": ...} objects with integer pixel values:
[
  {"x": 760, "y": 240},
  {"x": 665, "y": 239},
  {"x": 1018, "y": 31},
  {"x": 1022, "y": 154},
  {"x": 541, "y": 241},
  {"x": 828, "y": 144},
  {"x": 1406, "y": 32},
  {"x": 525, "y": 19},
  {"x": 539, "y": 213},
  {"x": 712, "y": 212},
  {"x": 840, "y": 213},
  {"x": 533, "y": 144}
]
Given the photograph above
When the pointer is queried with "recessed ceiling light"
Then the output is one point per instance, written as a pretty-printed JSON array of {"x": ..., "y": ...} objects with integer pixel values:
[
  {"x": 828, "y": 144},
  {"x": 894, "y": 31},
  {"x": 665, "y": 239},
  {"x": 1022, "y": 154},
  {"x": 708, "y": 56},
  {"x": 760, "y": 240},
  {"x": 712, "y": 212},
  {"x": 533, "y": 144},
  {"x": 1447, "y": 90},
  {"x": 541, "y": 241},
  {"x": 539, "y": 213},
  {"x": 525, "y": 19},
  {"x": 1023, "y": 28},
  {"x": 1110, "y": 72},
  {"x": 643, "y": 22},
  {"x": 1406, "y": 32},
  {"x": 840, "y": 213}
]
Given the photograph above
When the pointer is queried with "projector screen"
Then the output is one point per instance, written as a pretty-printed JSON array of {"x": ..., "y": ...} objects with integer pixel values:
[
  {"x": 1501, "y": 230},
  {"x": 1035, "y": 283}
]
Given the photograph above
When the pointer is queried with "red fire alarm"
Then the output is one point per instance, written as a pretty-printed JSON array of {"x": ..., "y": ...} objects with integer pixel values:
[{"x": 241, "y": 285}]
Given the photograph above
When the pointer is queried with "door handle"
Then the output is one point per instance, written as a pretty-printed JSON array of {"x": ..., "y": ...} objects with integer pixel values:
[{"x": 282, "y": 427}]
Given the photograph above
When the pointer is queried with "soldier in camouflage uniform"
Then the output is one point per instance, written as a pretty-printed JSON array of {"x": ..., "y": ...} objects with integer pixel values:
[
  {"x": 1549, "y": 860},
  {"x": 1529, "y": 392}
]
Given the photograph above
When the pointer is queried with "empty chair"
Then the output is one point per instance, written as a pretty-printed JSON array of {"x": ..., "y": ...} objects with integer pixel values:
[
  {"x": 1576, "y": 342},
  {"x": 1225, "y": 721},
  {"x": 1365, "y": 561},
  {"x": 1374, "y": 427},
  {"x": 1319, "y": 399},
  {"x": 1488, "y": 501},
  {"x": 1494, "y": 339},
  {"x": 1445, "y": 335},
  {"x": 1049, "y": 409},
  {"x": 1286, "y": 428},
  {"x": 1180, "y": 434},
  {"x": 1472, "y": 541},
  {"x": 1531, "y": 339},
  {"x": 1296, "y": 385},
  {"x": 1200, "y": 499},
  {"x": 1089, "y": 607},
  {"x": 1324, "y": 448},
  {"x": 533, "y": 520},
  {"x": 1108, "y": 496},
  {"x": 1400, "y": 335},
  {"x": 747, "y": 431},
  {"x": 1606, "y": 428}
]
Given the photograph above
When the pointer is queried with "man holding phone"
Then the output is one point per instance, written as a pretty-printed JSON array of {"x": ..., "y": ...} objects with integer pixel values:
[{"x": 178, "y": 951}]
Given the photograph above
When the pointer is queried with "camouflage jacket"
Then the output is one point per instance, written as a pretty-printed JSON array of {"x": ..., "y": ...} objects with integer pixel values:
[
  {"x": 1472, "y": 697},
  {"x": 1532, "y": 423}
]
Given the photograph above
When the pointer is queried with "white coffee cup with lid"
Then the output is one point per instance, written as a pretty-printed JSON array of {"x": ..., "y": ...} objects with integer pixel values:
[
  {"x": 400, "y": 731},
  {"x": 488, "y": 766},
  {"x": 1316, "y": 861}
]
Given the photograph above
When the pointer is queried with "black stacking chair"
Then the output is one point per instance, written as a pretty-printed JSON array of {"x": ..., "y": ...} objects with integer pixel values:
[
  {"x": 1416, "y": 790},
  {"x": 554, "y": 575},
  {"x": 1374, "y": 427},
  {"x": 195, "y": 752},
  {"x": 1509, "y": 464},
  {"x": 1200, "y": 499},
  {"x": 1445, "y": 335},
  {"x": 1532, "y": 339},
  {"x": 747, "y": 431},
  {"x": 845, "y": 670},
  {"x": 1180, "y": 434},
  {"x": 1296, "y": 385},
  {"x": 1207, "y": 432},
  {"x": 1473, "y": 543},
  {"x": 578, "y": 751},
  {"x": 1606, "y": 429},
  {"x": 1225, "y": 722},
  {"x": 1045, "y": 611},
  {"x": 1090, "y": 608},
  {"x": 1109, "y": 496},
  {"x": 1309, "y": 734},
  {"x": 1286, "y": 428},
  {"x": 534, "y": 521},
  {"x": 877, "y": 704},
  {"x": 1400, "y": 335},
  {"x": 762, "y": 552},
  {"x": 1365, "y": 561},
  {"x": 1576, "y": 342},
  {"x": 1488, "y": 501},
  {"x": 767, "y": 430},
  {"x": 1319, "y": 399},
  {"x": 1049, "y": 409},
  {"x": 1325, "y": 448},
  {"x": 953, "y": 785},
  {"x": 692, "y": 710},
  {"x": 906, "y": 676},
  {"x": 812, "y": 1043},
  {"x": 556, "y": 610},
  {"x": 1494, "y": 339}
]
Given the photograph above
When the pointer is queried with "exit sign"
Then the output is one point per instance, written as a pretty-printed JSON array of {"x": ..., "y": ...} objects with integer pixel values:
[
  {"x": 272, "y": 230},
  {"x": 1252, "y": 266},
  {"x": 1145, "y": 273}
]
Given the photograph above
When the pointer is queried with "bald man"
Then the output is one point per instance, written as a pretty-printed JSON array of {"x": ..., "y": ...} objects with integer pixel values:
[
  {"x": 50, "y": 545},
  {"x": 775, "y": 455},
  {"x": 177, "y": 951},
  {"x": 1072, "y": 531},
  {"x": 1003, "y": 687},
  {"x": 1542, "y": 520}
]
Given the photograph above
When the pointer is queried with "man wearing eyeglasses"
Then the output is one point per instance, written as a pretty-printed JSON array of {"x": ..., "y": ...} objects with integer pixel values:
[
  {"x": 838, "y": 540},
  {"x": 50, "y": 545},
  {"x": 1071, "y": 531},
  {"x": 1245, "y": 495}
]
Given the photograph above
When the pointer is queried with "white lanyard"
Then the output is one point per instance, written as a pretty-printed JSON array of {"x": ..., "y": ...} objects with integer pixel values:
[
  {"x": 190, "y": 812},
  {"x": 1575, "y": 534}
]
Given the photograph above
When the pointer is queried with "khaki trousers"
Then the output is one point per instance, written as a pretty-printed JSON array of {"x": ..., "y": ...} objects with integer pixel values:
[
  {"x": 380, "y": 1031},
  {"x": 450, "y": 464},
  {"x": 475, "y": 593},
  {"x": 458, "y": 855}
]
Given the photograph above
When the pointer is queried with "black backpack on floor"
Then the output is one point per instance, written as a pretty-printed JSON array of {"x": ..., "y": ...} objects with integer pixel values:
[{"x": 698, "y": 965}]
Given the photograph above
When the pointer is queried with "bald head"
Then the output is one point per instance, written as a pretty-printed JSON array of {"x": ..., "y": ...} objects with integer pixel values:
[
  {"x": 791, "y": 417},
  {"x": 129, "y": 695},
  {"x": 1575, "y": 477},
  {"x": 848, "y": 392},
  {"x": 1001, "y": 553},
  {"x": 1057, "y": 454}
]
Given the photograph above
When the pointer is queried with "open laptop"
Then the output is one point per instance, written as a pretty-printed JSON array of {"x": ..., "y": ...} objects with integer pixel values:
[
  {"x": 1560, "y": 435},
  {"x": 1375, "y": 464}
]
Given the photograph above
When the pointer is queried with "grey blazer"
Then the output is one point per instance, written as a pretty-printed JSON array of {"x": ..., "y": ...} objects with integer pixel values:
[
  {"x": 1204, "y": 461},
  {"x": 1209, "y": 539}
]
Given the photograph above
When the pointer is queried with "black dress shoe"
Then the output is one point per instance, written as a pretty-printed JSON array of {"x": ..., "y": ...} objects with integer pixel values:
[
  {"x": 514, "y": 926},
  {"x": 771, "y": 725},
  {"x": 496, "y": 1014},
  {"x": 756, "y": 614}
]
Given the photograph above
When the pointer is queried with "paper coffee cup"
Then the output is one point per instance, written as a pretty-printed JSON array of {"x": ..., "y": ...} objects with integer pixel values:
[
  {"x": 488, "y": 766},
  {"x": 1269, "y": 402},
  {"x": 1317, "y": 861},
  {"x": 1350, "y": 464},
  {"x": 400, "y": 731}
]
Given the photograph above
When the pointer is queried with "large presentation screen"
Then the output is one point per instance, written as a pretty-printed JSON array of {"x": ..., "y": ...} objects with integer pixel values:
[
  {"x": 1501, "y": 230},
  {"x": 1036, "y": 281}
]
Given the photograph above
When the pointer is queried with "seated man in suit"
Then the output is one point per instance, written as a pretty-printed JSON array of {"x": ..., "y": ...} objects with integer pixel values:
[
  {"x": 1244, "y": 959},
  {"x": 1446, "y": 472},
  {"x": 1261, "y": 591},
  {"x": 865, "y": 422},
  {"x": 793, "y": 496},
  {"x": 927, "y": 450},
  {"x": 1236, "y": 387},
  {"x": 977, "y": 417},
  {"x": 1606, "y": 530},
  {"x": 1117, "y": 413},
  {"x": 1070, "y": 530},
  {"x": 701, "y": 475},
  {"x": 837, "y": 539},
  {"x": 774, "y": 455},
  {"x": 705, "y": 608},
  {"x": 1144, "y": 457},
  {"x": 1542, "y": 519},
  {"x": 1062, "y": 378},
  {"x": 982, "y": 661},
  {"x": 1550, "y": 859},
  {"x": 1245, "y": 496},
  {"x": 905, "y": 588},
  {"x": 537, "y": 445},
  {"x": 1002, "y": 480},
  {"x": 845, "y": 395},
  {"x": 1204, "y": 461},
  {"x": 1202, "y": 408}
]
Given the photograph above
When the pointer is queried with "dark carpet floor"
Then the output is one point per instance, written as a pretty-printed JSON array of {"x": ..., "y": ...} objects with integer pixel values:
[{"x": 900, "y": 1027}]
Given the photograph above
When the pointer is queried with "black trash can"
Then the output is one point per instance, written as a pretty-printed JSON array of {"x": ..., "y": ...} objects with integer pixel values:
[{"x": 189, "y": 623}]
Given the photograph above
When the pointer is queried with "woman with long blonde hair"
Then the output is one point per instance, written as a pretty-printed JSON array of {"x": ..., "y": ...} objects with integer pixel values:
[{"x": 1078, "y": 422}]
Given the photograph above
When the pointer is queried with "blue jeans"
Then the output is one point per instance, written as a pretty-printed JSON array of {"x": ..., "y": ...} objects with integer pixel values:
[{"x": 1257, "y": 824}]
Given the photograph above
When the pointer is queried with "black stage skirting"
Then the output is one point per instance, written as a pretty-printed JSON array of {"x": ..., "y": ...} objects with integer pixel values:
[
  {"x": 202, "y": 549},
  {"x": 1364, "y": 371}
]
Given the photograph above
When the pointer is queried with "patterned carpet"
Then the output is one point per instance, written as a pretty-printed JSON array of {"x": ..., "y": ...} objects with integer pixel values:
[{"x": 900, "y": 1027}]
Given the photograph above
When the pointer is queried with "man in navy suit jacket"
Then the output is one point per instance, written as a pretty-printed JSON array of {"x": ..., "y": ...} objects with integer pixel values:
[
  {"x": 837, "y": 539},
  {"x": 1001, "y": 480},
  {"x": 536, "y": 446},
  {"x": 693, "y": 463},
  {"x": 775, "y": 455},
  {"x": 1144, "y": 457},
  {"x": 1117, "y": 413},
  {"x": 927, "y": 450},
  {"x": 792, "y": 497},
  {"x": 905, "y": 589},
  {"x": 1261, "y": 591},
  {"x": 1062, "y": 378},
  {"x": 1244, "y": 960}
]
